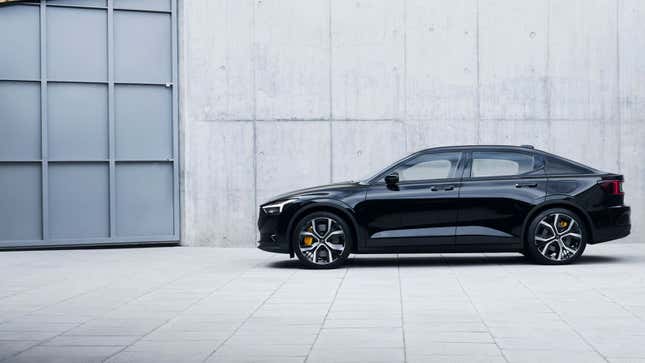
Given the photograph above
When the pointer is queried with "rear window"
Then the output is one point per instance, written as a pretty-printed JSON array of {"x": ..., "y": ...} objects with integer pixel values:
[
  {"x": 503, "y": 163},
  {"x": 559, "y": 166}
]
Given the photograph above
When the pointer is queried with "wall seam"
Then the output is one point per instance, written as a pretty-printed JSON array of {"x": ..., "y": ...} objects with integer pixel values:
[
  {"x": 405, "y": 75},
  {"x": 331, "y": 102},
  {"x": 255, "y": 133},
  {"x": 478, "y": 85},
  {"x": 619, "y": 114}
]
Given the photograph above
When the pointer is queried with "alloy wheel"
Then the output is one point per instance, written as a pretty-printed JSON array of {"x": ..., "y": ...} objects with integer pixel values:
[
  {"x": 558, "y": 237},
  {"x": 322, "y": 240}
]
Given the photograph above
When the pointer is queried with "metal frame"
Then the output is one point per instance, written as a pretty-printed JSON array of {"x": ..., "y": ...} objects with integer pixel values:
[{"x": 112, "y": 161}]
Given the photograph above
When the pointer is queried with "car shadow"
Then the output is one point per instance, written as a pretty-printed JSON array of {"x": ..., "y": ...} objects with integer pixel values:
[{"x": 441, "y": 261}]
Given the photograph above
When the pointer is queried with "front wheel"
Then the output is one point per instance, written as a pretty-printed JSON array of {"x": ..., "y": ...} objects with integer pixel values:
[
  {"x": 556, "y": 237},
  {"x": 322, "y": 240}
]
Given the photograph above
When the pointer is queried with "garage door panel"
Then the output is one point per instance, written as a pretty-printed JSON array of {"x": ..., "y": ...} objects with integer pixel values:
[
  {"x": 76, "y": 44},
  {"x": 20, "y": 32},
  {"x": 78, "y": 200},
  {"x": 20, "y": 121},
  {"x": 88, "y": 129},
  {"x": 158, "y": 5},
  {"x": 143, "y": 113},
  {"x": 142, "y": 45},
  {"x": 144, "y": 205},
  {"x": 78, "y": 121},
  {"x": 97, "y": 3},
  {"x": 20, "y": 188}
]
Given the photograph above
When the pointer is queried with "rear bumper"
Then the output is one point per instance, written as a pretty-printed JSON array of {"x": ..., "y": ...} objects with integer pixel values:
[{"x": 613, "y": 223}]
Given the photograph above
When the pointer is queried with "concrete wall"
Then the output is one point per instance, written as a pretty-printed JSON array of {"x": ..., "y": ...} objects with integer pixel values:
[{"x": 278, "y": 95}]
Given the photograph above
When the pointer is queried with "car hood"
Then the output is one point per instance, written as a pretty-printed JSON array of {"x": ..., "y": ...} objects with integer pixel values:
[{"x": 321, "y": 191}]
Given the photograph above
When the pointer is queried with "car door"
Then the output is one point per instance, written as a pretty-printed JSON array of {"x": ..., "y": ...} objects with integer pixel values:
[
  {"x": 498, "y": 190},
  {"x": 421, "y": 209}
]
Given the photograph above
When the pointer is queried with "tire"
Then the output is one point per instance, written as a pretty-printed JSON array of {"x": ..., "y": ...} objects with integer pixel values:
[
  {"x": 317, "y": 245},
  {"x": 556, "y": 236}
]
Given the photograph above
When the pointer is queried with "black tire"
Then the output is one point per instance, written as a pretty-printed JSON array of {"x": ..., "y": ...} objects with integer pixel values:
[
  {"x": 558, "y": 250},
  {"x": 337, "y": 258}
]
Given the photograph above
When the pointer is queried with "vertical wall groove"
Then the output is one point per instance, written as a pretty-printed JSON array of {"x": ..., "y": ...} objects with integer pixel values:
[
  {"x": 43, "y": 120},
  {"x": 111, "y": 126},
  {"x": 331, "y": 102},
  {"x": 478, "y": 94}
]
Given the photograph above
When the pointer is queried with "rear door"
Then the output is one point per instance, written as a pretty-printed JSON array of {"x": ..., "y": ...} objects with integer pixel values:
[{"x": 499, "y": 188}]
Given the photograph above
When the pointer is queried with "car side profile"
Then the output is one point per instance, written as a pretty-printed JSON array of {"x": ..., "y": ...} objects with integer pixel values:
[{"x": 453, "y": 199}]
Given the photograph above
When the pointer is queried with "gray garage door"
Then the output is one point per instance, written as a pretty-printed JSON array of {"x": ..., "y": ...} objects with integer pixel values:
[{"x": 88, "y": 122}]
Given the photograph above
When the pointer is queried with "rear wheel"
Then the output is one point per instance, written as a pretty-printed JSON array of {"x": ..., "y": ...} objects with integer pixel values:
[
  {"x": 556, "y": 237},
  {"x": 322, "y": 240}
]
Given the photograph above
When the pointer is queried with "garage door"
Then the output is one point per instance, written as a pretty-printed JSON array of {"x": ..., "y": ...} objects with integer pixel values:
[{"x": 88, "y": 122}]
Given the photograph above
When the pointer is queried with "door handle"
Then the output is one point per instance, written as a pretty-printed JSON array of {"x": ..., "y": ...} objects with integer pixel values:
[
  {"x": 436, "y": 188},
  {"x": 526, "y": 185}
]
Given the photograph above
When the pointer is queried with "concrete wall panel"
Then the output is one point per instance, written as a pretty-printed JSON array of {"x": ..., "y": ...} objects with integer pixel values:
[
  {"x": 291, "y": 155},
  {"x": 367, "y": 59},
  {"x": 361, "y": 148},
  {"x": 292, "y": 59},
  {"x": 441, "y": 59},
  {"x": 582, "y": 59},
  {"x": 219, "y": 66},
  {"x": 594, "y": 143},
  {"x": 632, "y": 152},
  {"x": 219, "y": 208},
  {"x": 330, "y": 90},
  {"x": 509, "y": 132},
  {"x": 424, "y": 134},
  {"x": 513, "y": 59},
  {"x": 632, "y": 59}
]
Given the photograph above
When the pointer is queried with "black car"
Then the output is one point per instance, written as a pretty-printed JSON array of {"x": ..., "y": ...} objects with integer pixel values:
[{"x": 453, "y": 199}]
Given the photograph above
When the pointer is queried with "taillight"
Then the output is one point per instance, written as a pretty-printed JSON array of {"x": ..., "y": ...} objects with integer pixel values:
[{"x": 613, "y": 187}]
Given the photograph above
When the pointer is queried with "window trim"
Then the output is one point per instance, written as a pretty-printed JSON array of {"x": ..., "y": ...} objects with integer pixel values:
[
  {"x": 467, "y": 175},
  {"x": 459, "y": 171}
]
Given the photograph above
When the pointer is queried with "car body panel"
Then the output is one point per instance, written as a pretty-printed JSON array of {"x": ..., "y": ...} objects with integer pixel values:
[{"x": 475, "y": 215}]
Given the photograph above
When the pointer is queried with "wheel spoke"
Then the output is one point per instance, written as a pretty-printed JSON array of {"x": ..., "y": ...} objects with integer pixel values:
[
  {"x": 335, "y": 246},
  {"x": 571, "y": 234},
  {"x": 542, "y": 239},
  {"x": 334, "y": 233},
  {"x": 546, "y": 246},
  {"x": 312, "y": 247},
  {"x": 313, "y": 229},
  {"x": 573, "y": 221},
  {"x": 328, "y": 231},
  {"x": 569, "y": 249},
  {"x": 555, "y": 222},
  {"x": 544, "y": 223}
]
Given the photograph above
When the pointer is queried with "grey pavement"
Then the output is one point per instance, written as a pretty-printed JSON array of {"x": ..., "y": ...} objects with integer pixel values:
[{"x": 180, "y": 304}]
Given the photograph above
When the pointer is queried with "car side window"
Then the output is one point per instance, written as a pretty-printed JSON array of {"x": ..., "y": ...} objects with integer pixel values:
[
  {"x": 429, "y": 166},
  {"x": 504, "y": 163}
]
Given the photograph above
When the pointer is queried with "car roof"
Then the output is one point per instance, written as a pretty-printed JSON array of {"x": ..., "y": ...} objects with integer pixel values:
[{"x": 488, "y": 147}]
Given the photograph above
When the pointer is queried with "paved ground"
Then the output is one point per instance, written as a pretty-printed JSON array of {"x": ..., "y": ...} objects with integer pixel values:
[{"x": 242, "y": 305}]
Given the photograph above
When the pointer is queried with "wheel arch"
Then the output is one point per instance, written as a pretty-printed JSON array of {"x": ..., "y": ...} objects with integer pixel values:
[
  {"x": 557, "y": 203},
  {"x": 331, "y": 206}
]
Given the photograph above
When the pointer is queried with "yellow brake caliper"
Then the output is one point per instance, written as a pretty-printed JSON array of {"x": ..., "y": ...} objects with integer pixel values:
[
  {"x": 563, "y": 224},
  {"x": 308, "y": 239}
]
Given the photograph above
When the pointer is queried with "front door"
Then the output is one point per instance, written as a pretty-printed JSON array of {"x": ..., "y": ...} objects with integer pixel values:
[{"x": 421, "y": 210}]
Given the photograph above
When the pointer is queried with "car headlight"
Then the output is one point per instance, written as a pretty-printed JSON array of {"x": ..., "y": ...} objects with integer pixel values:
[{"x": 276, "y": 208}]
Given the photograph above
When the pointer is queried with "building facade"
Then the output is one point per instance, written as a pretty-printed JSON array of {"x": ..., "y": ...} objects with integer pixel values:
[{"x": 128, "y": 121}]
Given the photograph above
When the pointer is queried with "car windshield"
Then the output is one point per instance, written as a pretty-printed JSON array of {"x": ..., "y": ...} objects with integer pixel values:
[{"x": 371, "y": 176}]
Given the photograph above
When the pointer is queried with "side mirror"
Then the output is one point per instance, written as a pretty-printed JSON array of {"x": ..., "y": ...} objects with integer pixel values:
[{"x": 392, "y": 179}]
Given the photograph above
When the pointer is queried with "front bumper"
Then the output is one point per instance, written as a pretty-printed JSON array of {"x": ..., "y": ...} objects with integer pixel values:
[{"x": 273, "y": 231}]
